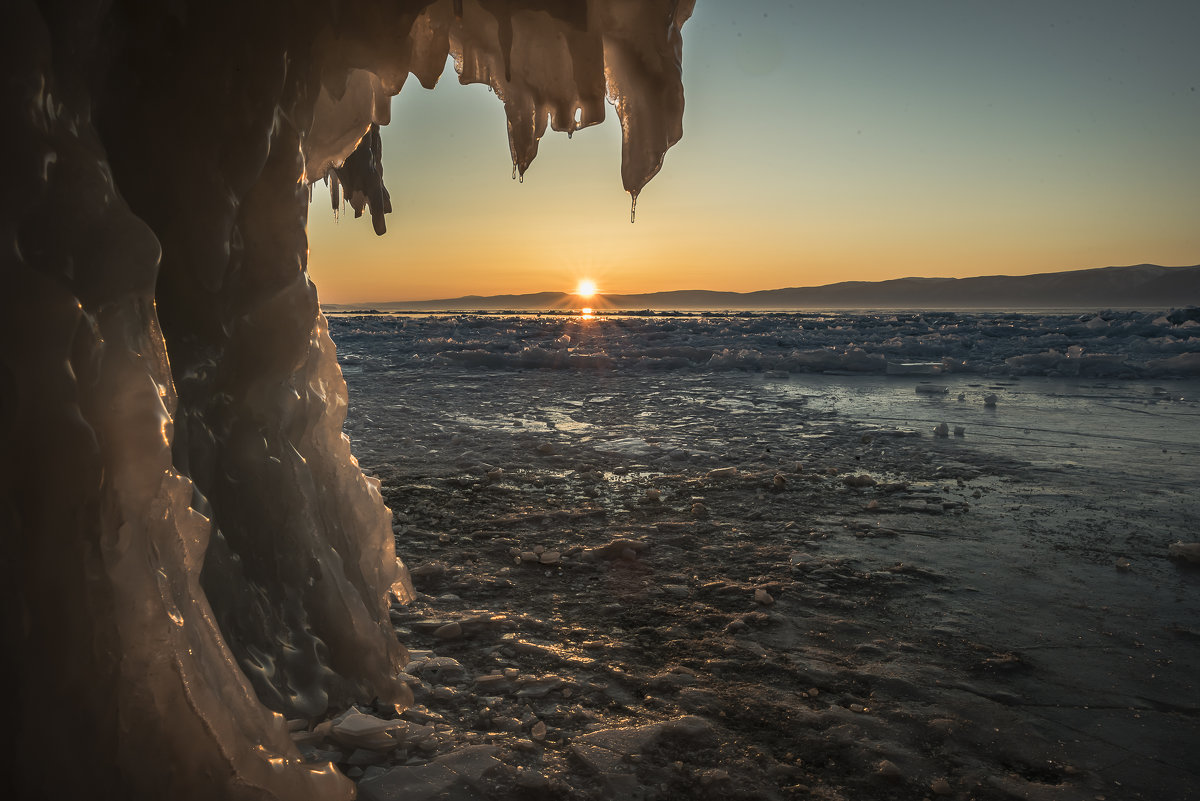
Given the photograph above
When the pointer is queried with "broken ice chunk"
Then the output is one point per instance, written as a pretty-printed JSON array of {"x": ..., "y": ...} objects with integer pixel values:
[
  {"x": 617, "y": 549},
  {"x": 800, "y": 559},
  {"x": 1185, "y": 552},
  {"x": 357, "y": 730},
  {"x": 448, "y": 631},
  {"x": 941, "y": 787},
  {"x": 455, "y": 775},
  {"x": 914, "y": 368},
  {"x": 859, "y": 481},
  {"x": 443, "y": 670}
]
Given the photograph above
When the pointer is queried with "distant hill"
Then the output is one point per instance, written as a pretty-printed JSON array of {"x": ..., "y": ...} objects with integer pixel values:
[{"x": 1138, "y": 286}]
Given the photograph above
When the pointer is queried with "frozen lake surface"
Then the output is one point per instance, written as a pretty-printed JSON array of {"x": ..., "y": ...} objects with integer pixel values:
[
  {"x": 1014, "y": 578},
  {"x": 1123, "y": 431},
  {"x": 1124, "y": 344}
]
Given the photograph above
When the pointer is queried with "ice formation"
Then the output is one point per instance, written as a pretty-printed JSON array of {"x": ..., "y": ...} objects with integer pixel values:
[
  {"x": 190, "y": 550},
  {"x": 1132, "y": 344}
]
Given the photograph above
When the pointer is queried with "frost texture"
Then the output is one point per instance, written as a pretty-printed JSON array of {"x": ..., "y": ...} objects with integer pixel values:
[{"x": 190, "y": 550}]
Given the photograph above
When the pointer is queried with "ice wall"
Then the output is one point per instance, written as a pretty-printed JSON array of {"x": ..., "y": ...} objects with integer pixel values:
[{"x": 190, "y": 551}]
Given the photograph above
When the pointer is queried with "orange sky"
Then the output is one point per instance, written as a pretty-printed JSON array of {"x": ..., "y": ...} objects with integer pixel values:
[{"x": 823, "y": 143}]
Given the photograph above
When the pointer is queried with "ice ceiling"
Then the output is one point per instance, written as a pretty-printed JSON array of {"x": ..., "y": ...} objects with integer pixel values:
[{"x": 191, "y": 553}]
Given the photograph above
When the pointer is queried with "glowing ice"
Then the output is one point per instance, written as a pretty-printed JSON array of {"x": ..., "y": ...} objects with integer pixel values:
[{"x": 188, "y": 542}]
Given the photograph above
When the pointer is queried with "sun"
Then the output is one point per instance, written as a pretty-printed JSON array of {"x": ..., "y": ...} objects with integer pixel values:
[{"x": 586, "y": 288}]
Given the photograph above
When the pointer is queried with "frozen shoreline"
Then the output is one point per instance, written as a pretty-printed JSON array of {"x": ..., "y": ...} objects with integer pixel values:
[
  {"x": 1116, "y": 344},
  {"x": 973, "y": 627}
]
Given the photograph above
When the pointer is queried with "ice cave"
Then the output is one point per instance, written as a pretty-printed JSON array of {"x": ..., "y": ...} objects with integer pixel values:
[{"x": 192, "y": 555}]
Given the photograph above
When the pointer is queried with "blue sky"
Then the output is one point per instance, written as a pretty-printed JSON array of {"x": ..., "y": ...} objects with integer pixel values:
[{"x": 823, "y": 141}]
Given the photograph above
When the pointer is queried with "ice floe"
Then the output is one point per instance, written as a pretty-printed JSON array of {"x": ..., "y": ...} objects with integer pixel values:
[{"x": 1129, "y": 344}]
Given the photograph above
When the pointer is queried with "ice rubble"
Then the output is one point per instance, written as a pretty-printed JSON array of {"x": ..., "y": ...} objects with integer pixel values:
[
  {"x": 1130, "y": 344},
  {"x": 186, "y": 535}
]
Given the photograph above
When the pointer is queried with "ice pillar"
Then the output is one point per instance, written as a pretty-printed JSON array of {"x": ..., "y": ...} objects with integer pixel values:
[{"x": 189, "y": 548}]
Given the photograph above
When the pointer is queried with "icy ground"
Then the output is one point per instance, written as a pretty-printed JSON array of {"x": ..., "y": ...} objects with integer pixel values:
[
  {"x": 1123, "y": 344},
  {"x": 830, "y": 599}
]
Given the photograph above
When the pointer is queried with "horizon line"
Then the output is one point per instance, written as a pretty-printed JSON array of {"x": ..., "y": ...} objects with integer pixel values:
[{"x": 613, "y": 293}]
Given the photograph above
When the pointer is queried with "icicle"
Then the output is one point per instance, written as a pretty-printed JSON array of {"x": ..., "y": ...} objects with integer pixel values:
[
  {"x": 505, "y": 31},
  {"x": 633, "y": 208},
  {"x": 161, "y": 500}
]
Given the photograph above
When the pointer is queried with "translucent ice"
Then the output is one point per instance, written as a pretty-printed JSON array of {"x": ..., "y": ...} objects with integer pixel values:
[
  {"x": 550, "y": 63},
  {"x": 190, "y": 550}
]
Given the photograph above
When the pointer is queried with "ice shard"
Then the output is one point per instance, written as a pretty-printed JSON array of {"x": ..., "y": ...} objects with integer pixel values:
[{"x": 190, "y": 552}]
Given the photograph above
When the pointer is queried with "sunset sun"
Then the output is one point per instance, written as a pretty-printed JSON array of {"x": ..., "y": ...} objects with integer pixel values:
[{"x": 586, "y": 288}]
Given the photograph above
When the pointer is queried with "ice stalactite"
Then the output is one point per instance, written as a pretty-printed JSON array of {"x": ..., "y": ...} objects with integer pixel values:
[
  {"x": 555, "y": 63},
  {"x": 360, "y": 177},
  {"x": 190, "y": 552}
]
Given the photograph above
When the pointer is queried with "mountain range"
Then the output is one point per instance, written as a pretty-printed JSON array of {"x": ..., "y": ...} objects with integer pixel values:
[{"x": 1137, "y": 286}]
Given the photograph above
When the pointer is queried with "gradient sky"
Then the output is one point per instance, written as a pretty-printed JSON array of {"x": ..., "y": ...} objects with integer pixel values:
[{"x": 824, "y": 141}]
